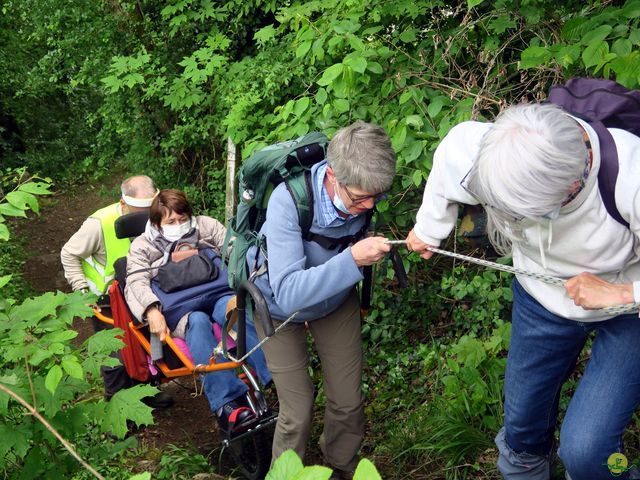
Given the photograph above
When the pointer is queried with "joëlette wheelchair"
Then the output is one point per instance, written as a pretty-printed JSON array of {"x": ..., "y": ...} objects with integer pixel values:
[{"x": 250, "y": 447}]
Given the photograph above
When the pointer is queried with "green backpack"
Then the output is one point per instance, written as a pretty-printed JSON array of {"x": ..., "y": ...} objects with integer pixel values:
[{"x": 288, "y": 162}]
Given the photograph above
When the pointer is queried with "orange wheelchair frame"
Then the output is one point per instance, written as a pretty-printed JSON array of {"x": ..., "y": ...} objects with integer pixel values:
[{"x": 251, "y": 448}]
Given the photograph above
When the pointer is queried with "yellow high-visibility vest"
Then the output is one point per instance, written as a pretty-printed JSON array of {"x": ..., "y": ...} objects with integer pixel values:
[{"x": 99, "y": 276}]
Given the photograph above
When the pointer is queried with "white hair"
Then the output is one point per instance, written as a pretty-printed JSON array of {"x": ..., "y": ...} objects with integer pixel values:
[
  {"x": 138, "y": 186},
  {"x": 526, "y": 165},
  {"x": 361, "y": 155}
]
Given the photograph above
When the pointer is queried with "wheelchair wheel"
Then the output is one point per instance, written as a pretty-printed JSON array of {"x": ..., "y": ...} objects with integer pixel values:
[{"x": 252, "y": 454}]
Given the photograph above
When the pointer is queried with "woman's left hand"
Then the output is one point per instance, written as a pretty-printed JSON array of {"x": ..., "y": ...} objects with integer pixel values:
[{"x": 591, "y": 292}]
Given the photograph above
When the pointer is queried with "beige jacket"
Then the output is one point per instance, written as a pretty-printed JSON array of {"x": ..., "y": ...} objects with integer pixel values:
[{"x": 143, "y": 254}]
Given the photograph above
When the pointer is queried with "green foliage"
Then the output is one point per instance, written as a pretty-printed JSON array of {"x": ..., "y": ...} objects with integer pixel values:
[
  {"x": 288, "y": 466},
  {"x": 179, "y": 462},
  {"x": 459, "y": 419},
  {"x": 39, "y": 363},
  {"x": 598, "y": 41},
  {"x": 18, "y": 192},
  {"x": 479, "y": 299}
]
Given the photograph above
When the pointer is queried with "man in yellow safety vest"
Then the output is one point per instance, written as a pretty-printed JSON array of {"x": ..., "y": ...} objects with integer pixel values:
[{"x": 87, "y": 259}]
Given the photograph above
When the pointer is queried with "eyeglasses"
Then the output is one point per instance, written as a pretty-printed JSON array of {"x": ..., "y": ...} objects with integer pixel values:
[{"x": 357, "y": 200}]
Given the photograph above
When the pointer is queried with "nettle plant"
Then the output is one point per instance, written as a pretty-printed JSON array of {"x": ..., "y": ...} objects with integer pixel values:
[{"x": 47, "y": 395}]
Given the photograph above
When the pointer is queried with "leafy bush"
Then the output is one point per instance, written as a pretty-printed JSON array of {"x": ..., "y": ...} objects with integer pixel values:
[
  {"x": 460, "y": 417},
  {"x": 45, "y": 382}
]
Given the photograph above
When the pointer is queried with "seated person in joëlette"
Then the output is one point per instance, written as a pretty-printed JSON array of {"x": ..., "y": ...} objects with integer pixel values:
[{"x": 171, "y": 222}]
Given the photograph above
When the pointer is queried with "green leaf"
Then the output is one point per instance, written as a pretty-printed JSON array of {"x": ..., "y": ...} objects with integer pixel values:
[
  {"x": 321, "y": 96},
  {"x": 39, "y": 356},
  {"x": 141, "y": 476},
  {"x": 435, "y": 107},
  {"x": 366, "y": 471},
  {"x": 502, "y": 23},
  {"x": 330, "y": 74},
  {"x": 405, "y": 97},
  {"x": 54, "y": 375},
  {"x": 5, "y": 278},
  {"x": 473, "y": 3},
  {"x": 315, "y": 472},
  {"x": 303, "y": 48},
  {"x": 75, "y": 305},
  {"x": 127, "y": 405},
  {"x": 14, "y": 438},
  {"x": 469, "y": 351},
  {"x": 414, "y": 121},
  {"x": 596, "y": 35},
  {"x": 631, "y": 9},
  {"x": 4, "y": 232},
  {"x": 22, "y": 200},
  {"x": 386, "y": 88},
  {"x": 595, "y": 53},
  {"x": 36, "y": 188},
  {"x": 11, "y": 211},
  {"x": 346, "y": 26},
  {"x": 301, "y": 106},
  {"x": 265, "y": 34},
  {"x": 622, "y": 47},
  {"x": 286, "y": 466},
  {"x": 374, "y": 67},
  {"x": 417, "y": 178},
  {"x": 104, "y": 342},
  {"x": 408, "y": 36},
  {"x": 341, "y": 105},
  {"x": 533, "y": 56},
  {"x": 399, "y": 137},
  {"x": 413, "y": 151},
  {"x": 634, "y": 37},
  {"x": 35, "y": 309},
  {"x": 358, "y": 63},
  {"x": 72, "y": 367}
]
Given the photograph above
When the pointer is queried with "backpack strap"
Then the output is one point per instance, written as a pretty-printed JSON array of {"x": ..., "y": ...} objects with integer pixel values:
[
  {"x": 608, "y": 173},
  {"x": 331, "y": 243},
  {"x": 301, "y": 190}
]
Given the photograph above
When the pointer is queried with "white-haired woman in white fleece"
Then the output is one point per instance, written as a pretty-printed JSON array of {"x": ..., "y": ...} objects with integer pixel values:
[{"x": 535, "y": 172}]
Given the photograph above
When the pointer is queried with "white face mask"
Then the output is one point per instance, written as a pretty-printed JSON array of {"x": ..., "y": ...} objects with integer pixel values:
[{"x": 176, "y": 232}]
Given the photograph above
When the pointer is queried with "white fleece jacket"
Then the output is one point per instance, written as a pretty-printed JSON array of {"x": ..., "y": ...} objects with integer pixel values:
[{"x": 584, "y": 237}]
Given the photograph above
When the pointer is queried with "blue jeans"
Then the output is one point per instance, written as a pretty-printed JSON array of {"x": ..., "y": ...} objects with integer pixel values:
[
  {"x": 223, "y": 386},
  {"x": 543, "y": 353}
]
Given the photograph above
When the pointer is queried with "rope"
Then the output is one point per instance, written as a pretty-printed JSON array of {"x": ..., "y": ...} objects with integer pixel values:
[
  {"x": 558, "y": 282},
  {"x": 221, "y": 351}
]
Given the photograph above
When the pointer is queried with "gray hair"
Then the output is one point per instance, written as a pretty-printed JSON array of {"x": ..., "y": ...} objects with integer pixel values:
[
  {"x": 138, "y": 186},
  {"x": 526, "y": 165},
  {"x": 361, "y": 155}
]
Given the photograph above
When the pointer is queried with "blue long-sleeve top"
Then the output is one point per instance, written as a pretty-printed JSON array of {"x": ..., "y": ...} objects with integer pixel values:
[{"x": 303, "y": 276}]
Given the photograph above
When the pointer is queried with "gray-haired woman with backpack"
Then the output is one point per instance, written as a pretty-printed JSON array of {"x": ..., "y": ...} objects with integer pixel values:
[{"x": 316, "y": 281}]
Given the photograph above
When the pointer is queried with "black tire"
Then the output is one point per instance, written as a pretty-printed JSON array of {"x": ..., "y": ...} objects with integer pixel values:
[{"x": 252, "y": 454}]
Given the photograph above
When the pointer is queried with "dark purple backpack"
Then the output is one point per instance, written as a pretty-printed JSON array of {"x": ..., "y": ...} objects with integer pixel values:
[{"x": 603, "y": 104}]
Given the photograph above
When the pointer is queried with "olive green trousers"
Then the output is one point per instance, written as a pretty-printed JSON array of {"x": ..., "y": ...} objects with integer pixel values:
[{"x": 337, "y": 339}]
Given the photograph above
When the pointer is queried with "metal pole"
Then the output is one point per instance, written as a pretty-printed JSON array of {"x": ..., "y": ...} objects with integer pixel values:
[{"x": 230, "y": 197}]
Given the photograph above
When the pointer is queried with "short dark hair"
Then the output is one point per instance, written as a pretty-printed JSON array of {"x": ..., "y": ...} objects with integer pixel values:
[{"x": 167, "y": 201}]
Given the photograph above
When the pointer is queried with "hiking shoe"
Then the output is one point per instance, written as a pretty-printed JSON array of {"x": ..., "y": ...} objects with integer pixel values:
[
  {"x": 235, "y": 418},
  {"x": 159, "y": 400}
]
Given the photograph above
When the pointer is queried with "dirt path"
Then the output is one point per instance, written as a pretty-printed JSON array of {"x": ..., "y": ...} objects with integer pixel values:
[{"x": 189, "y": 422}]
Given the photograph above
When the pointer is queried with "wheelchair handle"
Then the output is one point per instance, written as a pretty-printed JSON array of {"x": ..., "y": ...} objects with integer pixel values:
[{"x": 261, "y": 313}]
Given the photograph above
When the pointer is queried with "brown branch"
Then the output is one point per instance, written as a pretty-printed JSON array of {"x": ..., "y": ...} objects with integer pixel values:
[
  {"x": 33, "y": 390},
  {"x": 48, "y": 426}
]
